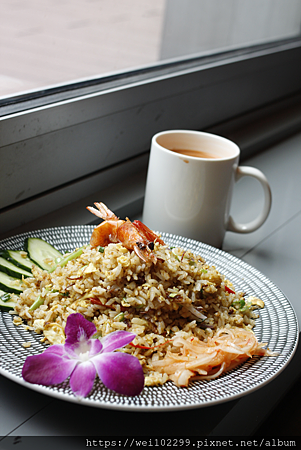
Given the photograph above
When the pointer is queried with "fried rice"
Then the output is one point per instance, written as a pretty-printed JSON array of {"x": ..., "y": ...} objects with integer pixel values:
[{"x": 178, "y": 297}]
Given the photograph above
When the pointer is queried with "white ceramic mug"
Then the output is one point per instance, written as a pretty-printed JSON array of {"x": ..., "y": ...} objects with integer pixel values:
[{"x": 190, "y": 194}]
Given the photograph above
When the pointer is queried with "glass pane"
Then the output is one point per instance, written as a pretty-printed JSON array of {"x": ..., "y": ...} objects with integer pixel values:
[
  {"x": 45, "y": 43},
  {"x": 199, "y": 26}
]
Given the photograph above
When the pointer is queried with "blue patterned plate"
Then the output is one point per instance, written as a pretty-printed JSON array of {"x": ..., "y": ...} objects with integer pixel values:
[{"x": 277, "y": 325}]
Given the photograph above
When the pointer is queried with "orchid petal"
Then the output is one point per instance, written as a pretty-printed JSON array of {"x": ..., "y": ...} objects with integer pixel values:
[
  {"x": 82, "y": 378},
  {"x": 95, "y": 347},
  {"x": 120, "y": 372},
  {"x": 78, "y": 329},
  {"x": 116, "y": 340},
  {"x": 47, "y": 369},
  {"x": 57, "y": 349},
  {"x": 70, "y": 350}
]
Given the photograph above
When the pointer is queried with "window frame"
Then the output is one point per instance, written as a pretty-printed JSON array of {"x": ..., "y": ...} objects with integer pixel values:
[{"x": 105, "y": 126}]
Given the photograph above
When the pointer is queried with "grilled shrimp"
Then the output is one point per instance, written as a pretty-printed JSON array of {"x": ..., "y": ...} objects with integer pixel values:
[{"x": 132, "y": 235}]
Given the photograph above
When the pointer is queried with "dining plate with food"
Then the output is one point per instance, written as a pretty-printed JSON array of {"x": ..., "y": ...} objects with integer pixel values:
[{"x": 149, "y": 321}]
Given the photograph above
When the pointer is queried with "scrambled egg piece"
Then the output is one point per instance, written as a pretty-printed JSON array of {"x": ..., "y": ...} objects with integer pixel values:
[
  {"x": 54, "y": 333},
  {"x": 38, "y": 325},
  {"x": 255, "y": 301}
]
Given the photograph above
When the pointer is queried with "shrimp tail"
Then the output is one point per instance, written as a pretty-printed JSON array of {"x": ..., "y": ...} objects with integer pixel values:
[
  {"x": 102, "y": 211},
  {"x": 106, "y": 232},
  {"x": 94, "y": 211}
]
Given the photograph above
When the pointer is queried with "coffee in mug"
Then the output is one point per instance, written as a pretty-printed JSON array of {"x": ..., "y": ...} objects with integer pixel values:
[
  {"x": 189, "y": 186},
  {"x": 195, "y": 153}
]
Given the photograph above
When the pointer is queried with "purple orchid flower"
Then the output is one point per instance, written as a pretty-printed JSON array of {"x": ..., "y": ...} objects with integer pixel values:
[{"x": 81, "y": 358}]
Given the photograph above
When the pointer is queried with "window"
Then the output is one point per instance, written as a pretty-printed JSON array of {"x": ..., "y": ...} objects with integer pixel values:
[
  {"x": 46, "y": 42},
  {"x": 50, "y": 42},
  {"x": 196, "y": 26},
  {"x": 90, "y": 138}
]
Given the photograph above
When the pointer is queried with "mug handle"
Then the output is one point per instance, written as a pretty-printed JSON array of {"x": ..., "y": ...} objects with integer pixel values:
[{"x": 256, "y": 223}]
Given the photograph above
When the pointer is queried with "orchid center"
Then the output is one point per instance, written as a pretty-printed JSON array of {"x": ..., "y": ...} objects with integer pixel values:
[
  {"x": 83, "y": 345},
  {"x": 83, "y": 357}
]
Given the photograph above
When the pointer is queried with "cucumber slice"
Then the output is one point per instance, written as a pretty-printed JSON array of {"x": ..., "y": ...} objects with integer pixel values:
[
  {"x": 10, "y": 284},
  {"x": 6, "y": 306},
  {"x": 12, "y": 270},
  {"x": 18, "y": 259},
  {"x": 40, "y": 252},
  {"x": 6, "y": 302}
]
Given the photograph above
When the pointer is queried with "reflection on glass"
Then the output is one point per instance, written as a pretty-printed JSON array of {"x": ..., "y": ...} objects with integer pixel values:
[{"x": 50, "y": 42}]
